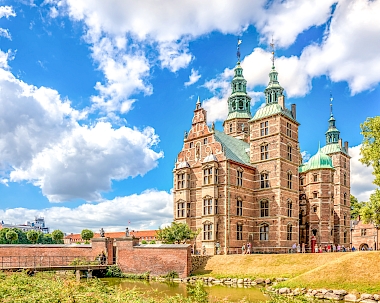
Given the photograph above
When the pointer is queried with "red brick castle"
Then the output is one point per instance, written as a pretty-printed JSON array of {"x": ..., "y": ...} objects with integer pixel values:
[{"x": 247, "y": 183}]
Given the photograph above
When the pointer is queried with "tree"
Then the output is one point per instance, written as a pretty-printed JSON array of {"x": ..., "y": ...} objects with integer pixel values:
[
  {"x": 32, "y": 236},
  {"x": 370, "y": 149},
  {"x": 87, "y": 234},
  {"x": 370, "y": 212},
  {"x": 176, "y": 233},
  {"x": 57, "y": 236},
  {"x": 356, "y": 207},
  {"x": 11, "y": 236}
]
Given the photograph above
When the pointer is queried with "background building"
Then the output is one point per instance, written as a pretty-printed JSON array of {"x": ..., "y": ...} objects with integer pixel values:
[
  {"x": 38, "y": 224},
  {"x": 248, "y": 183}
]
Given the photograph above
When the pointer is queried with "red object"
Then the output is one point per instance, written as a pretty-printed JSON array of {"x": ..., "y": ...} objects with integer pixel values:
[{"x": 313, "y": 241}]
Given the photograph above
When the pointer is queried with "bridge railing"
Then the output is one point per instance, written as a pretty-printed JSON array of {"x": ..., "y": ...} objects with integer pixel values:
[{"x": 9, "y": 262}]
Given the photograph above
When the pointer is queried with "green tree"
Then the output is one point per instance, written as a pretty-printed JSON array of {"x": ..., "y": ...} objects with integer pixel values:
[
  {"x": 370, "y": 149},
  {"x": 57, "y": 236},
  {"x": 3, "y": 237},
  {"x": 176, "y": 233},
  {"x": 356, "y": 207},
  {"x": 87, "y": 234},
  {"x": 33, "y": 236},
  {"x": 12, "y": 236},
  {"x": 370, "y": 213}
]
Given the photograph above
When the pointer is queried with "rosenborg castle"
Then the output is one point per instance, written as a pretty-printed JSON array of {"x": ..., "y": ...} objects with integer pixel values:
[{"x": 248, "y": 183}]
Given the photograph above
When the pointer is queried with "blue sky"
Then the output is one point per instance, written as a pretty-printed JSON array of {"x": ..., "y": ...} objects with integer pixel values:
[{"x": 95, "y": 96}]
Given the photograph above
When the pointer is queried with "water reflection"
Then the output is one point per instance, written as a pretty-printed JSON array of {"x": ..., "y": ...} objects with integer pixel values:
[{"x": 216, "y": 292}]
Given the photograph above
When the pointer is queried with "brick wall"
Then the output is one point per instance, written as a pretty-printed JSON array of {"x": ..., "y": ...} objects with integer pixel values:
[{"x": 158, "y": 259}]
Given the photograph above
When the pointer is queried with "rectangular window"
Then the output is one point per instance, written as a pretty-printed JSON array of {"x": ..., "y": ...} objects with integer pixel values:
[
  {"x": 207, "y": 232},
  {"x": 239, "y": 207},
  {"x": 289, "y": 180},
  {"x": 264, "y": 180},
  {"x": 264, "y": 128},
  {"x": 315, "y": 195},
  {"x": 264, "y": 152},
  {"x": 188, "y": 214},
  {"x": 207, "y": 176},
  {"x": 264, "y": 232},
  {"x": 239, "y": 232},
  {"x": 216, "y": 206},
  {"x": 289, "y": 153},
  {"x": 301, "y": 181},
  {"x": 288, "y": 129},
  {"x": 207, "y": 207},
  {"x": 205, "y": 141},
  {"x": 181, "y": 181},
  {"x": 264, "y": 208},
  {"x": 180, "y": 209},
  {"x": 216, "y": 175},
  {"x": 363, "y": 232},
  {"x": 191, "y": 144},
  {"x": 239, "y": 178},
  {"x": 290, "y": 208},
  {"x": 315, "y": 177}
]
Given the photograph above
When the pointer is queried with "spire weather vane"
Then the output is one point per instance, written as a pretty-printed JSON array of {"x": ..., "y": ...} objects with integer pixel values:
[
  {"x": 238, "y": 48},
  {"x": 272, "y": 46},
  {"x": 331, "y": 104}
]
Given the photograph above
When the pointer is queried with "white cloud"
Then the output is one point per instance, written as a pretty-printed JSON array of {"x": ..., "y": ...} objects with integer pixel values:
[
  {"x": 147, "y": 210},
  {"x": 361, "y": 176},
  {"x": 285, "y": 20},
  {"x": 7, "y": 11},
  {"x": 193, "y": 78},
  {"x": 5, "y": 33},
  {"x": 174, "y": 56},
  {"x": 42, "y": 142}
]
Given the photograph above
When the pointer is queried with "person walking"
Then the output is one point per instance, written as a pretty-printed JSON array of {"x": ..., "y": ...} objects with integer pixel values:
[
  {"x": 243, "y": 249},
  {"x": 248, "y": 248},
  {"x": 294, "y": 247},
  {"x": 298, "y": 248},
  {"x": 303, "y": 248}
]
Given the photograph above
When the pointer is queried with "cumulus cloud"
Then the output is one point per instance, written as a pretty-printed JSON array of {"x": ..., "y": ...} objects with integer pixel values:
[
  {"x": 147, "y": 210},
  {"x": 174, "y": 56},
  {"x": 42, "y": 142},
  {"x": 7, "y": 11},
  {"x": 361, "y": 176},
  {"x": 193, "y": 78}
]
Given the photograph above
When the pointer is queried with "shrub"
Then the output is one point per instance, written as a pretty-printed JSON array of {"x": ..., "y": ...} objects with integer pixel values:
[
  {"x": 144, "y": 242},
  {"x": 152, "y": 242}
]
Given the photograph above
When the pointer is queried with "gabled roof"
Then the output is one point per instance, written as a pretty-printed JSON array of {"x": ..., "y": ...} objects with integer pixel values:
[
  {"x": 234, "y": 149},
  {"x": 273, "y": 109}
]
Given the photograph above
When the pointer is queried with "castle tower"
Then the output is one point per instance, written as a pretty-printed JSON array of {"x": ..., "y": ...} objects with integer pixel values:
[
  {"x": 341, "y": 194},
  {"x": 275, "y": 153},
  {"x": 239, "y": 106}
]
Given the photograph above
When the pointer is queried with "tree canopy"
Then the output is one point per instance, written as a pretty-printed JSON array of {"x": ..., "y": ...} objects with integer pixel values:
[
  {"x": 87, "y": 234},
  {"x": 32, "y": 236},
  {"x": 356, "y": 207},
  {"x": 370, "y": 149},
  {"x": 176, "y": 233},
  {"x": 11, "y": 236},
  {"x": 57, "y": 236},
  {"x": 370, "y": 212}
]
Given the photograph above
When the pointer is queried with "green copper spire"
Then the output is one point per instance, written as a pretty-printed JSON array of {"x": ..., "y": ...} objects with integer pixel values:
[
  {"x": 239, "y": 103},
  {"x": 332, "y": 134},
  {"x": 274, "y": 89}
]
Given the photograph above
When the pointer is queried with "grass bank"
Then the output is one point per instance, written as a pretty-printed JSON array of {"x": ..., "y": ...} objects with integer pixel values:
[{"x": 357, "y": 272}]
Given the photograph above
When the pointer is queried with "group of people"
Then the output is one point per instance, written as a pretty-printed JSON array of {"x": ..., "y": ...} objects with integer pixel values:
[
  {"x": 246, "y": 249},
  {"x": 330, "y": 248},
  {"x": 299, "y": 248}
]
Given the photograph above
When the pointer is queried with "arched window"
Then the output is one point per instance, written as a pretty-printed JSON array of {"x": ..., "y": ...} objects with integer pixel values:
[
  {"x": 264, "y": 180},
  {"x": 230, "y": 127},
  {"x": 345, "y": 237},
  {"x": 289, "y": 230},
  {"x": 207, "y": 231},
  {"x": 264, "y": 208},
  {"x": 264, "y": 152},
  {"x": 290, "y": 180},
  {"x": 290, "y": 208},
  {"x": 344, "y": 179},
  {"x": 345, "y": 219},
  {"x": 345, "y": 198},
  {"x": 264, "y": 232}
]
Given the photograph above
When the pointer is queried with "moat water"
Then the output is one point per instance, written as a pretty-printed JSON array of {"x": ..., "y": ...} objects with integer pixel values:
[{"x": 216, "y": 292}]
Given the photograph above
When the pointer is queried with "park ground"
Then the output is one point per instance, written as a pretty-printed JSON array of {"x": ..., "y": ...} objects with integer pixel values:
[{"x": 357, "y": 272}]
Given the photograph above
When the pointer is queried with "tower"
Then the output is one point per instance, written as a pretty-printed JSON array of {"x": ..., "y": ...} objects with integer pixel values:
[
  {"x": 341, "y": 194},
  {"x": 239, "y": 105},
  {"x": 275, "y": 154}
]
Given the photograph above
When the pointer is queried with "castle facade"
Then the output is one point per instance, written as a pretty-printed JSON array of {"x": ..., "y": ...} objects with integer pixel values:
[{"x": 247, "y": 183}]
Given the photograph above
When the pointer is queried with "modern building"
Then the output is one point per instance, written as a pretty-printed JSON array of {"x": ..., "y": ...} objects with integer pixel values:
[
  {"x": 247, "y": 183},
  {"x": 38, "y": 225}
]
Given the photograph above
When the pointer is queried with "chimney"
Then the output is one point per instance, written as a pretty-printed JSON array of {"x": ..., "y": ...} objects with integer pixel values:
[
  {"x": 340, "y": 143},
  {"x": 294, "y": 111},
  {"x": 346, "y": 146},
  {"x": 281, "y": 101}
]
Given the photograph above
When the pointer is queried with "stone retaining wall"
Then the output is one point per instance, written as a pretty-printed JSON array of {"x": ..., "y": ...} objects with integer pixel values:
[{"x": 198, "y": 262}]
